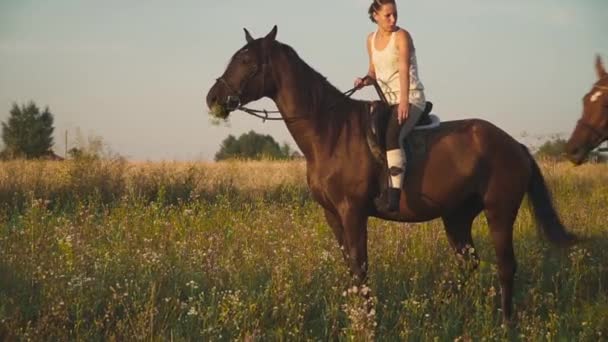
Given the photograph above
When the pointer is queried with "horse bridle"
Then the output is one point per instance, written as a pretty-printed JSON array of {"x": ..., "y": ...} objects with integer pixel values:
[
  {"x": 233, "y": 101},
  {"x": 600, "y": 134}
]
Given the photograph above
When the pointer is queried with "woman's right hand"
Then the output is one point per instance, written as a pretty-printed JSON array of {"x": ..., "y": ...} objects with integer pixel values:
[{"x": 360, "y": 82}]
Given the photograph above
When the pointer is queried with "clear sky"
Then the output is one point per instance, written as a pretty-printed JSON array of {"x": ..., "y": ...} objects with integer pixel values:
[{"x": 136, "y": 72}]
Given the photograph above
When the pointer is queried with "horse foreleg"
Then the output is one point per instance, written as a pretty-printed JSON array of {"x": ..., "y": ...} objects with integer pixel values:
[
  {"x": 333, "y": 220},
  {"x": 355, "y": 243},
  {"x": 458, "y": 229}
]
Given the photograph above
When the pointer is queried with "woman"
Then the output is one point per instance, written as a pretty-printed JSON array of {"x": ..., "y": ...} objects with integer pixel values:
[{"x": 392, "y": 63}]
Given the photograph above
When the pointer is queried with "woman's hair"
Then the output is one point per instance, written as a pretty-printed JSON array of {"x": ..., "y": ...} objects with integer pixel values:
[{"x": 375, "y": 7}]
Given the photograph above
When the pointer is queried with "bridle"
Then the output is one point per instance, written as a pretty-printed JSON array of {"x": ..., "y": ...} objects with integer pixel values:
[
  {"x": 599, "y": 135},
  {"x": 233, "y": 101}
]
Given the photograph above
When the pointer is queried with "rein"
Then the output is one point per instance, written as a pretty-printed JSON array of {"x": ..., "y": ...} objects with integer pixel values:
[{"x": 263, "y": 113}]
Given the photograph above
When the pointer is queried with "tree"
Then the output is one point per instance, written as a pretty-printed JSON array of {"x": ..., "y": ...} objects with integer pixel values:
[
  {"x": 552, "y": 149},
  {"x": 92, "y": 147},
  {"x": 252, "y": 146},
  {"x": 555, "y": 149},
  {"x": 28, "y": 133}
]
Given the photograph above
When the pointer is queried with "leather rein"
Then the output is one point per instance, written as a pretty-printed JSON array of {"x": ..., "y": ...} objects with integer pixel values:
[{"x": 233, "y": 102}]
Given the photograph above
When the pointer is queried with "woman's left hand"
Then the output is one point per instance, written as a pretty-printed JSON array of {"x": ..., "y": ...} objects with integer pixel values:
[{"x": 402, "y": 112}]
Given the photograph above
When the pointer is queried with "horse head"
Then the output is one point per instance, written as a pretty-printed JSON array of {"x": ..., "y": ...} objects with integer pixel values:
[
  {"x": 592, "y": 128},
  {"x": 246, "y": 78}
]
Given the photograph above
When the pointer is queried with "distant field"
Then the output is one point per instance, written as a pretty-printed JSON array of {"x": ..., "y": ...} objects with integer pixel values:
[{"x": 111, "y": 250}]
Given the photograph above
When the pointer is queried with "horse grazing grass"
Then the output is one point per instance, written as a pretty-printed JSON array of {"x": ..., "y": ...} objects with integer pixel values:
[{"x": 592, "y": 128}]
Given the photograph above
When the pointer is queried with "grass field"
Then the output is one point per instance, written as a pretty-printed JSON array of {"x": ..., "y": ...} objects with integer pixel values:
[{"x": 110, "y": 250}]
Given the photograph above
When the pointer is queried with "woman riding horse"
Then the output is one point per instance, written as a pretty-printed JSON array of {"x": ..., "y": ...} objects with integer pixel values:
[
  {"x": 393, "y": 64},
  {"x": 470, "y": 165}
]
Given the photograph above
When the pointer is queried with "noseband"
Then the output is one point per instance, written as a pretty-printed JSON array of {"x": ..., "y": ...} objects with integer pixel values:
[{"x": 233, "y": 101}]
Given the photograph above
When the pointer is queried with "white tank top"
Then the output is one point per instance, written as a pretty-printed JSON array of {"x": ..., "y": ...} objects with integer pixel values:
[{"x": 386, "y": 66}]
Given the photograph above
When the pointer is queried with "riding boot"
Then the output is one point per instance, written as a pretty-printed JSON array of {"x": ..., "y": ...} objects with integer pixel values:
[{"x": 388, "y": 201}]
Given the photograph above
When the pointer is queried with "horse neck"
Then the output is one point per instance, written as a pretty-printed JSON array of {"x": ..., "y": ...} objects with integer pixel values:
[{"x": 311, "y": 125}]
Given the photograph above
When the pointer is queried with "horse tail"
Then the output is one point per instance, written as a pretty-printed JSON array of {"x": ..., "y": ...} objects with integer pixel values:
[{"x": 542, "y": 207}]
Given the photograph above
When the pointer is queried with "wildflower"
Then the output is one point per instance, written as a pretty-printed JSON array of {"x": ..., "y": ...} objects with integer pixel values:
[
  {"x": 365, "y": 290},
  {"x": 192, "y": 311}
]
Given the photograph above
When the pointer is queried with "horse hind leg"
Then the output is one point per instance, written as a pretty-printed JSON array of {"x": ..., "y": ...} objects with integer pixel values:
[{"x": 500, "y": 220}]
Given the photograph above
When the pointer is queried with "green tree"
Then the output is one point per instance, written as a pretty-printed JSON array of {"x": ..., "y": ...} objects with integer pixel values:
[
  {"x": 555, "y": 149},
  {"x": 552, "y": 149},
  {"x": 252, "y": 146},
  {"x": 28, "y": 132}
]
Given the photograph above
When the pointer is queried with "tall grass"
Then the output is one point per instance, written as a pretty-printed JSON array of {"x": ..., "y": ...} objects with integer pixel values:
[{"x": 110, "y": 250}]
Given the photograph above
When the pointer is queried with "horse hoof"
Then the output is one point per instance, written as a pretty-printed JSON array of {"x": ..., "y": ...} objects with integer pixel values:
[{"x": 508, "y": 323}]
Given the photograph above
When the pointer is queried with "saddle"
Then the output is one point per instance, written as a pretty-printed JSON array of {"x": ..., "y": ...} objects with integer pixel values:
[
  {"x": 412, "y": 140},
  {"x": 414, "y": 144},
  {"x": 379, "y": 114},
  {"x": 425, "y": 117}
]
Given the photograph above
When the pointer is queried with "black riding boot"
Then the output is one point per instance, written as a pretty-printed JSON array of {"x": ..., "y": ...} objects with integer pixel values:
[{"x": 388, "y": 201}]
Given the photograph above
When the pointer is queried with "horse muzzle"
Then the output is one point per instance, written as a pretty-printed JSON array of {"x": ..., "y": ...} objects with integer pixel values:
[{"x": 577, "y": 156}]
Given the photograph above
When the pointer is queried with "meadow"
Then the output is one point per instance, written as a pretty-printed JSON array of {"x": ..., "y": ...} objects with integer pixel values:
[{"x": 116, "y": 250}]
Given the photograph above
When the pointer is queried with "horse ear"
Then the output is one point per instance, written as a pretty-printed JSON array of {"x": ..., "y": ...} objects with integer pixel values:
[
  {"x": 599, "y": 67},
  {"x": 273, "y": 34},
  {"x": 248, "y": 36}
]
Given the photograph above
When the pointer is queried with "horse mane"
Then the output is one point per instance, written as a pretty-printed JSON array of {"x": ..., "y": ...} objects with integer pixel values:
[{"x": 329, "y": 108}]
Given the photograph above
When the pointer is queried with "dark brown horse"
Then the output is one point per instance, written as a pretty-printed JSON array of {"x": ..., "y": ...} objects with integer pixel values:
[
  {"x": 471, "y": 165},
  {"x": 592, "y": 128}
]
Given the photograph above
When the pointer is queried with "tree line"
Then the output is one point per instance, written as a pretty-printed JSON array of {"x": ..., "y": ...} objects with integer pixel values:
[
  {"x": 255, "y": 146},
  {"x": 28, "y": 134}
]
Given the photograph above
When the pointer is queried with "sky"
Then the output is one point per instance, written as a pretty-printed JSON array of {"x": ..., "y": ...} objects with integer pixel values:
[{"x": 135, "y": 73}]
